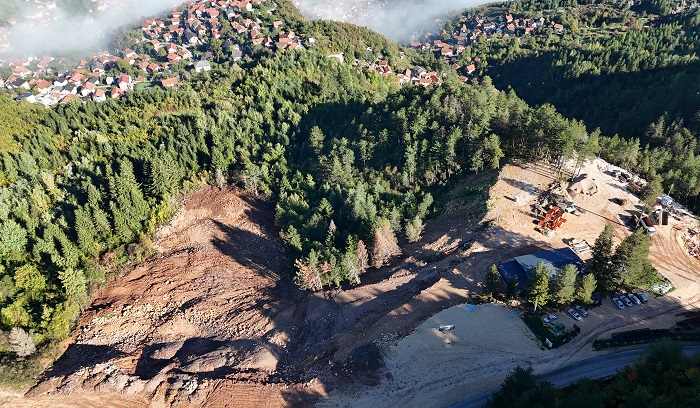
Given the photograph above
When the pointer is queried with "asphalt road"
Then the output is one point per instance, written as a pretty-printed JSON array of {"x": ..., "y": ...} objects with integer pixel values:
[{"x": 598, "y": 367}]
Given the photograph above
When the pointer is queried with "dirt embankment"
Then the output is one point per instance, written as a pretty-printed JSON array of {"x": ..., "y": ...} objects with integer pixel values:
[
  {"x": 215, "y": 319},
  {"x": 206, "y": 307}
]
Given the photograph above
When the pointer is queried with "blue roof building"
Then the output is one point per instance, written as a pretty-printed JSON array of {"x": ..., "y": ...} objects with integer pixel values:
[{"x": 553, "y": 259}]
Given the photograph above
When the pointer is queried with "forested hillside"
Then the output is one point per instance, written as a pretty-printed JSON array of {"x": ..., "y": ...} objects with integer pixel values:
[
  {"x": 614, "y": 66},
  {"x": 347, "y": 155},
  {"x": 629, "y": 70}
]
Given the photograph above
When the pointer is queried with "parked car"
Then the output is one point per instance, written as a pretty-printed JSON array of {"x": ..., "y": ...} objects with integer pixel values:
[
  {"x": 627, "y": 301},
  {"x": 549, "y": 318},
  {"x": 642, "y": 297},
  {"x": 581, "y": 310},
  {"x": 574, "y": 314},
  {"x": 634, "y": 299},
  {"x": 619, "y": 303}
]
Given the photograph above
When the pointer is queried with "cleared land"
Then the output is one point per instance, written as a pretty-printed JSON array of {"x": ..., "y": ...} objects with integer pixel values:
[{"x": 214, "y": 318}]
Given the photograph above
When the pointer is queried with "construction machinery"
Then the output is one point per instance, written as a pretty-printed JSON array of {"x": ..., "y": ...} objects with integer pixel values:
[{"x": 553, "y": 219}]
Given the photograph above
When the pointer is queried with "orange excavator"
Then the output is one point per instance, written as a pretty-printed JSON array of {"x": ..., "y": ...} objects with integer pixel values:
[{"x": 553, "y": 219}]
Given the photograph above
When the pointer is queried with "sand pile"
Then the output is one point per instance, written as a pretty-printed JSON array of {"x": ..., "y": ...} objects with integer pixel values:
[{"x": 583, "y": 185}]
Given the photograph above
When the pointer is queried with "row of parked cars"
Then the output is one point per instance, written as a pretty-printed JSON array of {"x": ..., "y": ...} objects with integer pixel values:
[
  {"x": 623, "y": 300},
  {"x": 576, "y": 314}
]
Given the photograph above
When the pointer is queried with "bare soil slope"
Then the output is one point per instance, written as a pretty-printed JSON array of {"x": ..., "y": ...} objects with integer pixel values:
[
  {"x": 214, "y": 318},
  {"x": 202, "y": 309}
]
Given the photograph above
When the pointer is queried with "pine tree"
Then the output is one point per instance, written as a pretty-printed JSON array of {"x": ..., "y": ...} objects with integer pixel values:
[
  {"x": 70, "y": 255},
  {"x": 309, "y": 272},
  {"x": 385, "y": 244},
  {"x": 538, "y": 285},
  {"x": 478, "y": 159},
  {"x": 492, "y": 151},
  {"x": 21, "y": 343},
  {"x": 512, "y": 288},
  {"x": 607, "y": 276},
  {"x": 651, "y": 191},
  {"x": 163, "y": 175},
  {"x": 126, "y": 193},
  {"x": 219, "y": 178},
  {"x": 73, "y": 281},
  {"x": 362, "y": 256},
  {"x": 351, "y": 263},
  {"x": 13, "y": 239},
  {"x": 85, "y": 231},
  {"x": 414, "y": 229},
  {"x": 630, "y": 258},
  {"x": 585, "y": 286},
  {"x": 492, "y": 282},
  {"x": 293, "y": 239},
  {"x": 563, "y": 284},
  {"x": 121, "y": 227}
]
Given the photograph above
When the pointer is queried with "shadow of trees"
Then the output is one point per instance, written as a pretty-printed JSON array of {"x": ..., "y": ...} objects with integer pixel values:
[{"x": 618, "y": 103}]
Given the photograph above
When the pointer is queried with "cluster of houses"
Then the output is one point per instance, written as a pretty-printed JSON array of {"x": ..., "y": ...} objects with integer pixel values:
[
  {"x": 46, "y": 81},
  {"x": 173, "y": 40},
  {"x": 471, "y": 30},
  {"x": 417, "y": 76}
]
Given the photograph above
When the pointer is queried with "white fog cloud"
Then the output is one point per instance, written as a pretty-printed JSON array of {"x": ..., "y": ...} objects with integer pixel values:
[
  {"x": 396, "y": 19},
  {"x": 41, "y": 30}
]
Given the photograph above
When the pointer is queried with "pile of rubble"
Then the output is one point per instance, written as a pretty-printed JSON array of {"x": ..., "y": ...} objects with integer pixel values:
[{"x": 692, "y": 241}]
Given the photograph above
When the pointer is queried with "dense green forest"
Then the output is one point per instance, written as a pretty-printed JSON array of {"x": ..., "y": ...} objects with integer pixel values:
[
  {"x": 618, "y": 82},
  {"x": 630, "y": 71},
  {"x": 663, "y": 377}
]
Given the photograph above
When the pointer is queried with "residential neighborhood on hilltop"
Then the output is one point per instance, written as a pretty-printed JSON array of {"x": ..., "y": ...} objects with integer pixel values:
[
  {"x": 182, "y": 40},
  {"x": 168, "y": 41},
  {"x": 473, "y": 28}
]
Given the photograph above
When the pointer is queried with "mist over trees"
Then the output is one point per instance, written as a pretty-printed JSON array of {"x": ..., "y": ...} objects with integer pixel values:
[
  {"x": 74, "y": 26},
  {"x": 396, "y": 19}
]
